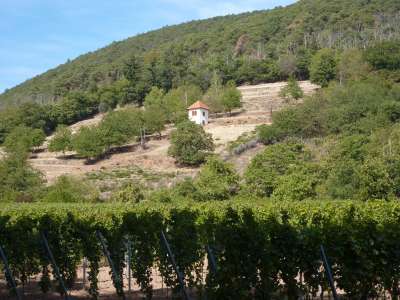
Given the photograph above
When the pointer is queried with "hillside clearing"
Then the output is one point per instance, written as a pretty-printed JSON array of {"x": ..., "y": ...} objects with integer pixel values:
[{"x": 258, "y": 101}]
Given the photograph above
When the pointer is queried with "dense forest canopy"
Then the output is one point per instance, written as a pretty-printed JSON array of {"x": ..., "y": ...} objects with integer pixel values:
[{"x": 251, "y": 47}]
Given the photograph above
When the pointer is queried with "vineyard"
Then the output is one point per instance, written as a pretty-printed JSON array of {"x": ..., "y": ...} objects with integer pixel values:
[{"x": 262, "y": 250}]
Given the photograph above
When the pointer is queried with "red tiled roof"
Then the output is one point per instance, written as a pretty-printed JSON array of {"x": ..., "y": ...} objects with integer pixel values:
[{"x": 197, "y": 105}]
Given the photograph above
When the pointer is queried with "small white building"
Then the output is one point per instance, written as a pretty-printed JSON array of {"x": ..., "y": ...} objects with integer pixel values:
[{"x": 198, "y": 113}]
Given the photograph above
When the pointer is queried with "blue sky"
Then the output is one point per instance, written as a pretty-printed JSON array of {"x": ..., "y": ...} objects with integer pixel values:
[{"x": 36, "y": 35}]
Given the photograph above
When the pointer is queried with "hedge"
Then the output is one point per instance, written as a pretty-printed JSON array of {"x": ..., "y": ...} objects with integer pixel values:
[{"x": 263, "y": 249}]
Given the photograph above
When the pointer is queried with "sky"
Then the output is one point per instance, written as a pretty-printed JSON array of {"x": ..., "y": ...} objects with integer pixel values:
[{"x": 36, "y": 35}]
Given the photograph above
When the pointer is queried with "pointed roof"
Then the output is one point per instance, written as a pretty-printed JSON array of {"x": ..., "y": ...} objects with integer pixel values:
[{"x": 198, "y": 105}]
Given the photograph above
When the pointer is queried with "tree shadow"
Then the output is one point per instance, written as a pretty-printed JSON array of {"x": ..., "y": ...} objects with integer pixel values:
[{"x": 112, "y": 151}]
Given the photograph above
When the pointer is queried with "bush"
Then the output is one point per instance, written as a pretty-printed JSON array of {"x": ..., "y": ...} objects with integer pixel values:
[
  {"x": 68, "y": 189},
  {"x": 291, "y": 90},
  {"x": 131, "y": 192},
  {"x": 352, "y": 66},
  {"x": 217, "y": 180},
  {"x": 269, "y": 134},
  {"x": 298, "y": 184},
  {"x": 190, "y": 144},
  {"x": 265, "y": 168},
  {"x": 244, "y": 142},
  {"x": 185, "y": 188},
  {"x": 374, "y": 180}
]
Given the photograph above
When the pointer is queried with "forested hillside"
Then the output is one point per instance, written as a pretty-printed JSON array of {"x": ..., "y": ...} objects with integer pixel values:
[{"x": 253, "y": 47}]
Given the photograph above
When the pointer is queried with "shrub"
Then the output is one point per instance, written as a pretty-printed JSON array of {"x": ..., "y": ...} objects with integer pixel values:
[
  {"x": 245, "y": 146},
  {"x": 298, "y": 184},
  {"x": 265, "y": 168},
  {"x": 190, "y": 144},
  {"x": 291, "y": 90},
  {"x": 185, "y": 188},
  {"x": 244, "y": 142},
  {"x": 68, "y": 189},
  {"x": 269, "y": 134},
  {"x": 352, "y": 66},
  {"x": 374, "y": 180},
  {"x": 217, "y": 180},
  {"x": 131, "y": 192}
]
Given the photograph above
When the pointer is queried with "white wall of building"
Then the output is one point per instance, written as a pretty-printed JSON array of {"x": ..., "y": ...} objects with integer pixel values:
[{"x": 199, "y": 116}]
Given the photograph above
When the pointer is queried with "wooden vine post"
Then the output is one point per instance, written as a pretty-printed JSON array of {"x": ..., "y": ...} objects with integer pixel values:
[
  {"x": 174, "y": 264},
  {"x": 8, "y": 273},
  {"x": 54, "y": 265},
  {"x": 117, "y": 278},
  {"x": 328, "y": 272}
]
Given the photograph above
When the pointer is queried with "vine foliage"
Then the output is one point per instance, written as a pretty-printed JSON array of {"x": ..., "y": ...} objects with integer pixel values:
[{"x": 262, "y": 250}]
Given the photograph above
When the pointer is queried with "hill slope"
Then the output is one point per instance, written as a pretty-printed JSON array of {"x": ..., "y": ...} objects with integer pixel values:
[{"x": 237, "y": 46}]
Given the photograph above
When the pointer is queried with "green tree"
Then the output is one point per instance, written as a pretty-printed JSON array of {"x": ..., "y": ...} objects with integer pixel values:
[
  {"x": 155, "y": 98},
  {"x": 154, "y": 120},
  {"x": 138, "y": 87},
  {"x": 385, "y": 55},
  {"x": 231, "y": 97},
  {"x": 177, "y": 100},
  {"x": 35, "y": 116},
  {"x": 323, "y": 67},
  {"x": 214, "y": 94},
  {"x": 74, "y": 107},
  {"x": 190, "y": 144},
  {"x": 89, "y": 143},
  {"x": 18, "y": 180},
  {"x": 119, "y": 127},
  {"x": 351, "y": 66},
  {"x": 23, "y": 139},
  {"x": 291, "y": 90},
  {"x": 62, "y": 140},
  {"x": 9, "y": 119},
  {"x": 217, "y": 180},
  {"x": 132, "y": 69}
]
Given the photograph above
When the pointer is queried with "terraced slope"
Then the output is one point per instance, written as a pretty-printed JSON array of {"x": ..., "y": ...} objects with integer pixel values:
[{"x": 258, "y": 100}]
